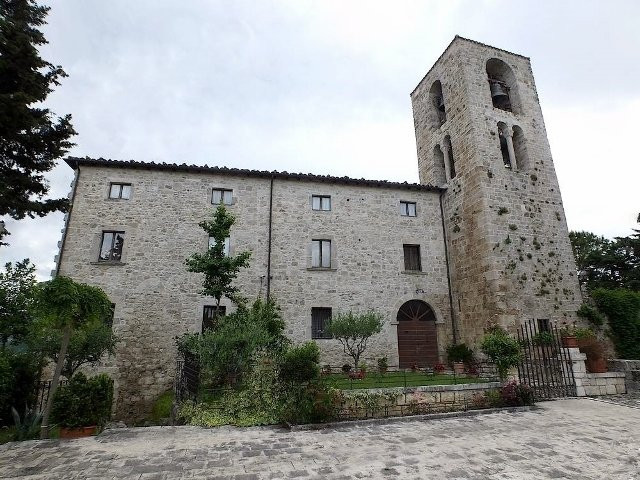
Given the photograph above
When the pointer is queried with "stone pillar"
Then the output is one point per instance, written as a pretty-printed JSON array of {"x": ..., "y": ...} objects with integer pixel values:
[
  {"x": 576, "y": 363},
  {"x": 508, "y": 135}
]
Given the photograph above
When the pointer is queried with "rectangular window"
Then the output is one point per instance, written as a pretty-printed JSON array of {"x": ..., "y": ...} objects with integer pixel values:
[
  {"x": 210, "y": 315},
  {"x": 321, "y": 254},
  {"x": 544, "y": 325},
  {"x": 225, "y": 248},
  {"x": 111, "y": 246},
  {"x": 120, "y": 190},
  {"x": 408, "y": 209},
  {"x": 412, "y": 257},
  {"x": 321, "y": 202},
  {"x": 320, "y": 318},
  {"x": 221, "y": 195}
]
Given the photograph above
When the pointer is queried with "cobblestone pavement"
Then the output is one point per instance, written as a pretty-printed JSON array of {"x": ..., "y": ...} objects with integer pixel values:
[
  {"x": 574, "y": 438},
  {"x": 630, "y": 399}
]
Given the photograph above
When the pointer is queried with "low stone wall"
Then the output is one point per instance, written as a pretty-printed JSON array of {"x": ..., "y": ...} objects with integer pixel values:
[
  {"x": 594, "y": 384},
  {"x": 398, "y": 401},
  {"x": 631, "y": 370}
]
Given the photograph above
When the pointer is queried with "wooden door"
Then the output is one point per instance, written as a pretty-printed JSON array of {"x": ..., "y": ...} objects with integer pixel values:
[{"x": 417, "y": 337}]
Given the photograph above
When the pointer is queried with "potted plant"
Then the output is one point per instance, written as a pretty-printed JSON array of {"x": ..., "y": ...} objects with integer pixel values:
[
  {"x": 459, "y": 355},
  {"x": 568, "y": 335},
  {"x": 383, "y": 365},
  {"x": 596, "y": 359},
  {"x": 439, "y": 368},
  {"x": 346, "y": 368},
  {"x": 83, "y": 406}
]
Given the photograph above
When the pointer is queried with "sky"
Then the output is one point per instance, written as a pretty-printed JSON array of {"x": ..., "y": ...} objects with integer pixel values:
[{"x": 323, "y": 87}]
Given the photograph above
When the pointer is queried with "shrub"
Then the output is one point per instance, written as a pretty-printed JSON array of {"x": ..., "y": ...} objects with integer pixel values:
[
  {"x": 383, "y": 364},
  {"x": 502, "y": 349},
  {"x": 300, "y": 364},
  {"x": 18, "y": 382},
  {"x": 161, "y": 409},
  {"x": 516, "y": 394},
  {"x": 543, "y": 338},
  {"x": 346, "y": 368},
  {"x": 592, "y": 314},
  {"x": 83, "y": 402},
  {"x": 459, "y": 353},
  {"x": 622, "y": 308},
  {"x": 27, "y": 427}
]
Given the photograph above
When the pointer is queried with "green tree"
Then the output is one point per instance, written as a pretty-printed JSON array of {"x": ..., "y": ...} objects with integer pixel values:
[
  {"x": 88, "y": 344},
  {"x": 17, "y": 284},
  {"x": 353, "y": 331},
  {"x": 31, "y": 139},
  {"x": 219, "y": 269},
  {"x": 604, "y": 263},
  {"x": 502, "y": 349},
  {"x": 67, "y": 305}
]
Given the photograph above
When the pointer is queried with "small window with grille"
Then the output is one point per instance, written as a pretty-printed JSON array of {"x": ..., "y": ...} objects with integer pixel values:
[
  {"x": 412, "y": 258},
  {"x": 320, "y": 318}
]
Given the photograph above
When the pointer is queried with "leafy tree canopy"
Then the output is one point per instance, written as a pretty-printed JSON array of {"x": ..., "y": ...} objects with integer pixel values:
[
  {"x": 17, "y": 284},
  {"x": 31, "y": 140},
  {"x": 604, "y": 263},
  {"x": 219, "y": 269},
  {"x": 353, "y": 331}
]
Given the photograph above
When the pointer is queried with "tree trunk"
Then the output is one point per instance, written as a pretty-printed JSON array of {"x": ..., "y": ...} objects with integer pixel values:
[{"x": 66, "y": 337}]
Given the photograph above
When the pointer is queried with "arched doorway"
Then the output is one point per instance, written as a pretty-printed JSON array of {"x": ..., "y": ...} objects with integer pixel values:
[{"x": 417, "y": 337}]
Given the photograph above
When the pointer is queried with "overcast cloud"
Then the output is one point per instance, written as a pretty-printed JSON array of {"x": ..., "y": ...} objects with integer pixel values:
[{"x": 323, "y": 87}]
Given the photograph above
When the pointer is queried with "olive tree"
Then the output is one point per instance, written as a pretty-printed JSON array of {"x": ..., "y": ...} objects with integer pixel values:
[{"x": 353, "y": 331}]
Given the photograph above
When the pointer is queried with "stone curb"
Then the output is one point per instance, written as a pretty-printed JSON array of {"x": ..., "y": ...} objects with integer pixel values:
[{"x": 410, "y": 418}]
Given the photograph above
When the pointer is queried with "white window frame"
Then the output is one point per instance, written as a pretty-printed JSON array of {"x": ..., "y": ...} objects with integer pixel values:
[
  {"x": 323, "y": 203},
  {"x": 123, "y": 191},
  {"x": 405, "y": 209},
  {"x": 221, "y": 196},
  {"x": 323, "y": 257}
]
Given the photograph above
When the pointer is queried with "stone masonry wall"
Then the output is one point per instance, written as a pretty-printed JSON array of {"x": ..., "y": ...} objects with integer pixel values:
[
  {"x": 157, "y": 299},
  {"x": 510, "y": 253}
]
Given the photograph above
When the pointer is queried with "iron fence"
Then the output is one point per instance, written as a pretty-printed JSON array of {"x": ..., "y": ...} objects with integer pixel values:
[
  {"x": 42, "y": 394},
  {"x": 545, "y": 365}
]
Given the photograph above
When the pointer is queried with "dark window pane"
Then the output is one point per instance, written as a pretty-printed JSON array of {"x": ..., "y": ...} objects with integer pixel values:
[
  {"x": 320, "y": 318},
  {"x": 117, "y": 246},
  {"x": 412, "y": 257}
]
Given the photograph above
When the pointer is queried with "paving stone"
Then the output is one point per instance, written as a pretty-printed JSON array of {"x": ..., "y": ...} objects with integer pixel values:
[{"x": 582, "y": 439}]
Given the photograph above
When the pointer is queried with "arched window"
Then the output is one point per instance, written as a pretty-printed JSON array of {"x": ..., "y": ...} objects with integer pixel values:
[
  {"x": 437, "y": 103},
  {"x": 448, "y": 156},
  {"x": 502, "y": 85},
  {"x": 439, "y": 168},
  {"x": 520, "y": 149},
  {"x": 503, "y": 134}
]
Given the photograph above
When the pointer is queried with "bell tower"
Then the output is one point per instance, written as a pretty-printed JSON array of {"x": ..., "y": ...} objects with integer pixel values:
[{"x": 480, "y": 133}]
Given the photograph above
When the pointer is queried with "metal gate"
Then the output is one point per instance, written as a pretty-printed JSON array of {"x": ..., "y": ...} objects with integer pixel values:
[{"x": 545, "y": 364}]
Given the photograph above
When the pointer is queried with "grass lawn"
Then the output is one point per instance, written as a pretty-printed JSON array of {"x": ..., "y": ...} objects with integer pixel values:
[{"x": 396, "y": 379}]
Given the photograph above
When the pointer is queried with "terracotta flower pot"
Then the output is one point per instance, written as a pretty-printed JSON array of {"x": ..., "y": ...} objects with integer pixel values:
[
  {"x": 596, "y": 365},
  {"x": 570, "y": 342},
  {"x": 78, "y": 432}
]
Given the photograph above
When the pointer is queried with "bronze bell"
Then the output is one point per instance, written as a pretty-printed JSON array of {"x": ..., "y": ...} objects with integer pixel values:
[
  {"x": 498, "y": 92},
  {"x": 440, "y": 103}
]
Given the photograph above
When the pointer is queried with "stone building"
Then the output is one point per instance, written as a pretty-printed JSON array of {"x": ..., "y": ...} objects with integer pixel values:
[{"x": 481, "y": 239}]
